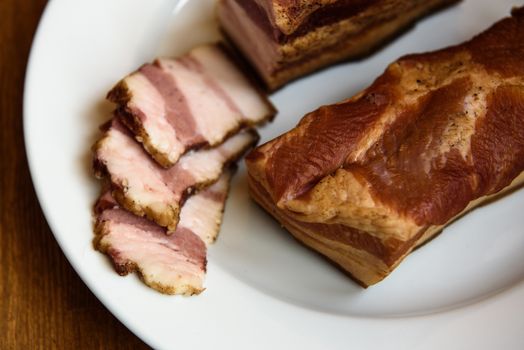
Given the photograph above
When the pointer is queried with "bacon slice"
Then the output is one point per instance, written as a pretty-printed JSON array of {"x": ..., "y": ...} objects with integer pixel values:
[
  {"x": 436, "y": 135},
  {"x": 175, "y": 105},
  {"x": 143, "y": 187},
  {"x": 202, "y": 212},
  {"x": 171, "y": 264}
]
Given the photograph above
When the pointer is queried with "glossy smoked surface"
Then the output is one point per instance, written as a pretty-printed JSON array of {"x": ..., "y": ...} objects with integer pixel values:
[{"x": 425, "y": 164}]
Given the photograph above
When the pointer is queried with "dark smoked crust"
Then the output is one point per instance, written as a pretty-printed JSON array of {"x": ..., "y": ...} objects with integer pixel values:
[
  {"x": 325, "y": 56},
  {"x": 282, "y": 75},
  {"x": 324, "y": 16},
  {"x": 121, "y": 96}
]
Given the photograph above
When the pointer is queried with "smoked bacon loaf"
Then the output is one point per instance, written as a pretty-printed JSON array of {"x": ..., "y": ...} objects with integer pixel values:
[
  {"x": 286, "y": 39},
  {"x": 367, "y": 180}
]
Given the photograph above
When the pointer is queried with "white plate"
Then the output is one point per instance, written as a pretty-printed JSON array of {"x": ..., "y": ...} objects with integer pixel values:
[{"x": 463, "y": 290}]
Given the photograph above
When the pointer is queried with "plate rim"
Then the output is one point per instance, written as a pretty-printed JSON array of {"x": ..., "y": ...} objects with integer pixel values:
[{"x": 112, "y": 307}]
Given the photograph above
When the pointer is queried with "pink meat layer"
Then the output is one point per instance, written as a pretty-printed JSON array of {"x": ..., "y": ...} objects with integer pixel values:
[
  {"x": 143, "y": 187},
  {"x": 172, "y": 264},
  {"x": 174, "y": 105}
]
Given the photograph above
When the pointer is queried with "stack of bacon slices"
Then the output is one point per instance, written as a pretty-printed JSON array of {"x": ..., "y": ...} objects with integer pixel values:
[{"x": 166, "y": 161}]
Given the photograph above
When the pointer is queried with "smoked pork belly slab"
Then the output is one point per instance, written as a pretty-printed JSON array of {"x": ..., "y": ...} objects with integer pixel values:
[
  {"x": 171, "y": 264},
  {"x": 285, "y": 39},
  {"x": 199, "y": 99},
  {"x": 366, "y": 180},
  {"x": 145, "y": 188}
]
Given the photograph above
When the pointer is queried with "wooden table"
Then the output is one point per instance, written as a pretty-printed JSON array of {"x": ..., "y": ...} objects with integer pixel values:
[{"x": 43, "y": 303}]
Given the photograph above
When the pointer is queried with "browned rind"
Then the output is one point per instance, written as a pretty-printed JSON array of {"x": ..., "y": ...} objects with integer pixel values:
[{"x": 309, "y": 47}]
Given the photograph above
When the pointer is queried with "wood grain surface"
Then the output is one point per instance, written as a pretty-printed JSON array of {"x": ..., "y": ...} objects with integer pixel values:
[{"x": 43, "y": 303}]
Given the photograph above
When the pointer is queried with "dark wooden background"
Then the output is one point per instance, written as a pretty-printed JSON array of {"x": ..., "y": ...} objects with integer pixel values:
[{"x": 43, "y": 303}]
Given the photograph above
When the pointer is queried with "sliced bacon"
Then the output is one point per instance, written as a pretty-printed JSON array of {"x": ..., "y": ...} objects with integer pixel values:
[
  {"x": 143, "y": 187},
  {"x": 175, "y": 105},
  {"x": 171, "y": 264},
  {"x": 174, "y": 264}
]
